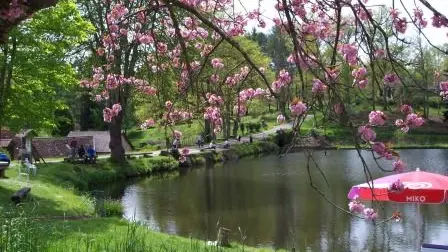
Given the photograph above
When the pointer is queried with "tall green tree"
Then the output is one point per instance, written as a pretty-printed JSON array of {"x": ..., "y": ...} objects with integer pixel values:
[{"x": 35, "y": 70}]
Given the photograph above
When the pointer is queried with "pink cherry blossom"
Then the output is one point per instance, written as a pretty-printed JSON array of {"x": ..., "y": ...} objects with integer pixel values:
[
  {"x": 439, "y": 21},
  {"x": 396, "y": 186},
  {"x": 419, "y": 20},
  {"x": 359, "y": 73},
  {"x": 214, "y": 78},
  {"x": 377, "y": 118},
  {"x": 366, "y": 133},
  {"x": 414, "y": 121},
  {"x": 217, "y": 63},
  {"x": 147, "y": 124},
  {"x": 379, "y": 148},
  {"x": 350, "y": 53},
  {"x": 168, "y": 104},
  {"x": 356, "y": 207},
  {"x": 443, "y": 86},
  {"x": 280, "y": 119},
  {"x": 379, "y": 54},
  {"x": 406, "y": 109},
  {"x": 399, "y": 165},
  {"x": 182, "y": 159},
  {"x": 298, "y": 109},
  {"x": 363, "y": 83},
  {"x": 391, "y": 79},
  {"x": 116, "y": 108},
  {"x": 370, "y": 214},
  {"x": 185, "y": 151},
  {"x": 318, "y": 87},
  {"x": 177, "y": 134},
  {"x": 107, "y": 115}
]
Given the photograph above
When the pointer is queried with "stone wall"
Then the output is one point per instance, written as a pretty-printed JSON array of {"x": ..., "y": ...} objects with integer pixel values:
[{"x": 57, "y": 147}]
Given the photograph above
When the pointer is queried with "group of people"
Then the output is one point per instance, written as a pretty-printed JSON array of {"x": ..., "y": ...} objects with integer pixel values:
[{"x": 88, "y": 155}]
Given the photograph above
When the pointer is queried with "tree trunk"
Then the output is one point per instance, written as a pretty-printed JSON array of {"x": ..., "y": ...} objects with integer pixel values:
[
  {"x": 235, "y": 127},
  {"x": 227, "y": 122},
  {"x": 115, "y": 144},
  {"x": 207, "y": 131}
]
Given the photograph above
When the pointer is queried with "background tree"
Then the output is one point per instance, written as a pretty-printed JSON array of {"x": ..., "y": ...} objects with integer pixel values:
[{"x": 34, "y": 69}]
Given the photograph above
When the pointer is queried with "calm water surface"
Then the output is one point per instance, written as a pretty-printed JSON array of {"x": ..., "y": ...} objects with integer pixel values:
[{"x": 271, "y": 200}]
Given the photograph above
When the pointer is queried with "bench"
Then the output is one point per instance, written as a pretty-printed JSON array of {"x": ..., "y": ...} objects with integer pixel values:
[
  {"x": 79, "y": 160},
  {"x": 20, "y": 195},
  {"x": 3, "y": 166}
]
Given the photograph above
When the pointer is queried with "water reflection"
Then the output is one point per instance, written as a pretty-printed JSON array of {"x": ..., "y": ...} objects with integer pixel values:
[{"x": 272, "y": 201}]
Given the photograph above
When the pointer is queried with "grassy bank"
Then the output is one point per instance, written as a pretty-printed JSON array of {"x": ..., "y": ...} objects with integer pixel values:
[
  {"x": 83, "y": 176},
  {"x": 98, "y": 234},
  {"x": 48, "y": 197},
  {"x": 59, "y": 216}
]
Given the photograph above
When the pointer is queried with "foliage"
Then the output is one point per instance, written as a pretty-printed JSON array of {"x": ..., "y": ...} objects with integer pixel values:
[
  {"x": 49, "y": 196},
  {"x": 257, "y": 147},
  {"x": 113, "y": 208},
  {"x": 23, "y": 233},
  {"x": 63, "y": 122},
  {"x": 41, "y": 74},
  {"x": 6, "y": 152}
]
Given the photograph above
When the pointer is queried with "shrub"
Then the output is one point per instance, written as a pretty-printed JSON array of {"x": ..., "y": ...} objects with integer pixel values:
[{"x": 113, "y": 208}]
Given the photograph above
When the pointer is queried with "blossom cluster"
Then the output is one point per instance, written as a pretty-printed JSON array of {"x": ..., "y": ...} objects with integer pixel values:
[
  {"x": 14, "y": 11},
  {"x": 212, "y": 113},
  {"x": 356, "y": 207},
  {"x": 148, "y": 123},
  {"x": 378, "y": 118},
  {"x": 283, "y": 79},
  {"x": 396, "y": 186},
  {"x": 444, "y": 90}
]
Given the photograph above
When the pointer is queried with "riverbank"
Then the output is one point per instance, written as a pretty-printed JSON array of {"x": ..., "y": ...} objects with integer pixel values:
[
  {"x": 60, "y": 213},
  {"x": 95, "y": 234}
]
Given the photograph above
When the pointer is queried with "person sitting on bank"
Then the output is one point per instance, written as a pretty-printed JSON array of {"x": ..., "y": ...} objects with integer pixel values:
[
  {"x": 211, "y": 145},
  {"x": 81, "y": 151},
  {"x": 91, "y": 154},
  {"x": 226, "y": 144},
  {"x": 175, "y": 145}
]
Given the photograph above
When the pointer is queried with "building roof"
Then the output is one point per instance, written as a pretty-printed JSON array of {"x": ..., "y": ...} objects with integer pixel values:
[
  {"x": 6, "y": 134},
  {"x": 5, "y": 142},
  {"x": 58, "y": 146},
  {"x": 101, "y": 140}
]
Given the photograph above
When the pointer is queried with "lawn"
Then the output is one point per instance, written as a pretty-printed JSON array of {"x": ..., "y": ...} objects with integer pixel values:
[
  {"x": 98, "y": 234},
  {"x": 154, "y": 138},
  {"x": 48, "y": 198}
]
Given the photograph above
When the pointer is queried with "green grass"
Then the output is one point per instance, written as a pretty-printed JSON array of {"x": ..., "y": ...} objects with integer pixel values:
[
  {"x": 246, "y": 149},
  {"x": 84, "y": 176},
  {"x": 24, "y": 233},
  {"x": 113, "y": 208},
  {"x": 117, "y": 235},
  {"x": 46, "y": 197},
  {"x": 155, "y": 138}
]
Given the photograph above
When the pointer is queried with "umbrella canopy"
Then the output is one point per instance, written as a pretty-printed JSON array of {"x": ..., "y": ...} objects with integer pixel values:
[{"x": 419, "y": 187}]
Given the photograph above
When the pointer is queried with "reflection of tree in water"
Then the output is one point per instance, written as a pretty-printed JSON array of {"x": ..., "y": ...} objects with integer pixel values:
[
  {"x": 268, "y": 197},
  {"x": 284, "y": 216},
  {"x": 209, "y": 203}
]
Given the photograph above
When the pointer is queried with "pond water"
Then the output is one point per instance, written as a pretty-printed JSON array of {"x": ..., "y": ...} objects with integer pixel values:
[{"x": 271, "y": 200}]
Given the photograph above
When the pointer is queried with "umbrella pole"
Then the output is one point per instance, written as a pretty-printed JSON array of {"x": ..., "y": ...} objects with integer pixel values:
[{"x": 419, "y": 223}]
